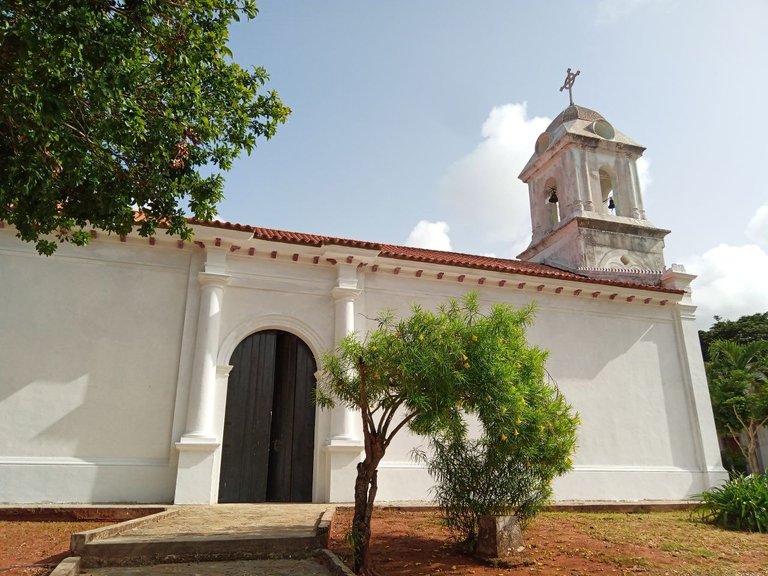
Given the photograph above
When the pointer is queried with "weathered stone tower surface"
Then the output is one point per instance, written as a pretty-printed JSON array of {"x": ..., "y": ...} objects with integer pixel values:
[{"x": 586, "y": 204}]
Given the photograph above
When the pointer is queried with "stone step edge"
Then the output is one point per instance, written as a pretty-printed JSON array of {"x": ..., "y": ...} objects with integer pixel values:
[
  {"x": 78, "y": 540},
  {"x": 71, "y": 566},
  {"x": 67, "y": 567},
  {"x": 98, "y": 554}
]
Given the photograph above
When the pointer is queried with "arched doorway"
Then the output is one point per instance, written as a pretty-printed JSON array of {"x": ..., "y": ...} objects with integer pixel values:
[{"x": 269, "y": 424}]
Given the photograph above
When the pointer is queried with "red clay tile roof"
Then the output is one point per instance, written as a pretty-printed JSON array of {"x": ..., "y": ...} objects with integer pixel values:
[{"x": 397, "y": 252}]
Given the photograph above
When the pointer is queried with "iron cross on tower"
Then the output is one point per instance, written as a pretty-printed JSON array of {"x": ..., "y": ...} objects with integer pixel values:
[{"x": 570, "y": 78}]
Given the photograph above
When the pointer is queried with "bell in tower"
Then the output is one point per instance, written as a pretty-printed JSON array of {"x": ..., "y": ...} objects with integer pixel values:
[{"x": 586, "y": 205}]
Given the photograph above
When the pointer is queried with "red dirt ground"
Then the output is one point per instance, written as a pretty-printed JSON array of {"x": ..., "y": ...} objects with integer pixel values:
[
  {"x": 414, "y": 542},
  {"x": 410, "y": 543},
  {"x": 34, "y": 547}
]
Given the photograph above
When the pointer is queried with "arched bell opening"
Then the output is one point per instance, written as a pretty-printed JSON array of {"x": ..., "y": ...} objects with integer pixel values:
[
  {"x": 552, "y": 202},
  {"x": 608, "y": 203}
]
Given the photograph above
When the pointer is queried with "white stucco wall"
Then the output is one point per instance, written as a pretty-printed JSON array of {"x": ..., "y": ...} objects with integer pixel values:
[
  {"x": 621, "y": 367},
  {"x": 89, "y": 355},
  {"x": 97, "y": 361}
]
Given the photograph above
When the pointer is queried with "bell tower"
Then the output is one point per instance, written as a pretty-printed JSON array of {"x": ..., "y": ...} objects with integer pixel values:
[{"x": 586, "y": 204}]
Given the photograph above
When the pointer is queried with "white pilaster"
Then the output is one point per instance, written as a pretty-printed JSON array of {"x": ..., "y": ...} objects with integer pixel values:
[
  {"x": 576, "y": 168},
  {"x": 202, "y": 393},
  {"x": 638, "y": 211},
  {"x": 695, "y": 379},
  {"x": 344, "y": 294},
  {"x": 588, "y": 183},
  {"x": 624, "y": 191},
  {"x": 344, "y": 446},
  {"x": 199, "y": 445},
  {"x": 538, "y": 218}
]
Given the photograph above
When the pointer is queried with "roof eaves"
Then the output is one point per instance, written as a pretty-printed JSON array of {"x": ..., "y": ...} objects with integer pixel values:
[
  {"x": 539, "y": 271},
  {"x": 441, "y": 258}
]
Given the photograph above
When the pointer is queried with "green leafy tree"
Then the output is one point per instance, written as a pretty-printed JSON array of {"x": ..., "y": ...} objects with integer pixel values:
[
  {"x": 427, "y": 372},
  {"x": 112, "y": 107},
  {"x": 746, "y": 329},
  {"x": 738, "y": 384}
]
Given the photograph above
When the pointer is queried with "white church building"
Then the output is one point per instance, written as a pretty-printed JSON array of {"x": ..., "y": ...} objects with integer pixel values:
[{"x": 155, "y": 370}]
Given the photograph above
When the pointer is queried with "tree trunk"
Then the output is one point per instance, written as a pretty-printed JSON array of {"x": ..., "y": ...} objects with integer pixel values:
[
  {"x": 754, "y": 466},
  {"x": 365, "y": 494}
]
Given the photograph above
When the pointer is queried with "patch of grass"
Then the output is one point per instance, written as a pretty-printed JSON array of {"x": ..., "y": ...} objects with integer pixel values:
[
  {"x": 739, "y": 504},
  {"x": 688, "y": 541},
  {"x": 639, "y": 529},
  {"x": 676, "y": 547}
]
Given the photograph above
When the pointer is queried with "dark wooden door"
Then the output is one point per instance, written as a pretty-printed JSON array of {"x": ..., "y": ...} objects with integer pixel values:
[{"x": 269, "y": 426}]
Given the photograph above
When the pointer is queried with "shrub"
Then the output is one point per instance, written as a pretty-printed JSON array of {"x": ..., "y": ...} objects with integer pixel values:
[
  {"x": 740, "y": 504},
  {"x": 507, "y": 471},
  {"x": 471, "y": 480}
]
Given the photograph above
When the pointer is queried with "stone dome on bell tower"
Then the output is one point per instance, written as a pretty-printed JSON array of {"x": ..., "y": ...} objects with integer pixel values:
[{"x": 586, "y": 204}]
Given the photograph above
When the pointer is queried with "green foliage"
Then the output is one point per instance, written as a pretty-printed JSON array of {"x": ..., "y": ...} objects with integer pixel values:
[
  {"x": 429, "y": 371},
  {"x": 509, "y": 469},
  {"x": 738, "y": 378},
  {"x": 744, "y": 330},
  {"x": 738, "y": 385},
  {"x": 502, "y": 476},
  {"x": 355, "y": 541},
  {"x": 740, "y": 504},
  {"x": 733, "y": 459},
  {"x": 438, "y": 367},
  {"x": 113, "y": 106}
]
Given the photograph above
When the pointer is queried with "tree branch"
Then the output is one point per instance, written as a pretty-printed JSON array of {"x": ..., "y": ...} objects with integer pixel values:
[
  {"x": 737, "y": 438},
  {"x": 397, "y": 429},
  {"x": 392, "y": 413},
  {"x": 386, "y": 416}
]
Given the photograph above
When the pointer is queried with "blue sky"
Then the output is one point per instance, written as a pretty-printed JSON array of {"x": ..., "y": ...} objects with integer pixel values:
[{"x": 426, "y": 111}]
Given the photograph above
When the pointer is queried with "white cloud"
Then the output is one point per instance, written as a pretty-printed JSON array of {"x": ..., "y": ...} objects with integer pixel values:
[
  {"x": 431, "y": 235},
  {"x": 488, "y": 205},
  {"x": 732, "y": 279},
  {"x": 757, "y": 229},
  {"x": 732, "y": 282}
]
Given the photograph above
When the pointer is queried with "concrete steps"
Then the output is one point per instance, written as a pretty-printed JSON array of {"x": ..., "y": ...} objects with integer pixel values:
[
  {"x": 279, "y": 567},
  {"x": 134, "y": 552},
  {"x": 207, "y": 533}
]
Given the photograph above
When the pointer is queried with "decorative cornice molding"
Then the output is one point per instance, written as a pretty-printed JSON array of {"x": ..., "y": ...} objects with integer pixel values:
[
  {"x": 345, "y": 293},
  {"x": 197, "y": 444},
  {"x": 213, "y": 278},
  {"x": 223, "y": 370}
]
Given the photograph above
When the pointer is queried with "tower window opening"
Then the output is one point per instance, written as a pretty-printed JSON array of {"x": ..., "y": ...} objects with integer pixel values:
[
  {"x": 608, "y": 205},
  {"x": 553, "y": 196},
  {"x": 552, "y": 202}
]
